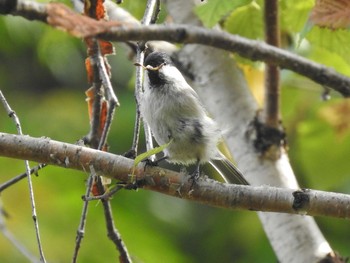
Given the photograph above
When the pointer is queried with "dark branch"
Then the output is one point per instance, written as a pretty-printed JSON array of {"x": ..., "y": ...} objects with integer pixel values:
[
  {"x": 16, "y": 179},
  {"x": 61, "y": 16},
  {"x": 272, "y": 73}
]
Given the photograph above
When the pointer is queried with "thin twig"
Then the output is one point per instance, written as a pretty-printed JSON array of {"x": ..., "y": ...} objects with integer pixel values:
[
  {"x": 151, "y": 12},
  {"x": 94, "y": 134},
  {"x": 81, "y": 228},
  {"x": 14, "y": 180},
  {"x": 272, "y": 76},
  {"x": 137, "y": 127},
  {"x": 156, "y": 12},
  {"x": 137, "y": 96},
  {"x": 114, "y": 234},
  {"x": 102, "y": 86},
  {"x": 13, "y": 239},
  {"x": 150, "y": 15},
  {"x": 110, "y": 96},
  {"x": 112, "y": 231},
  {"x": 250, "y": 49},
  {"x": 11, "y": 113},
  {"x": 106, "y": 195},
  {"x": 103, "y": 89},
  {"x": 138, "y": 93}
]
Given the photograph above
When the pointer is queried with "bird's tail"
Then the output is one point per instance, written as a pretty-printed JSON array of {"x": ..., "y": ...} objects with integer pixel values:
[{"x": 228, "y": 170}]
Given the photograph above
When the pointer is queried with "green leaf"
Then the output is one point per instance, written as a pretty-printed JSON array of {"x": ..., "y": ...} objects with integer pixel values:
[
  {"x": 294, "y": 14},
  {"x": 330, "y": 59},
  {"x": 336, "y": 41},
  {"x": 59, "y": 51},
  {"x": 149, "y": 153},
  {"x": 246, "y": 21},
  {"x": 322, "y": 154},
  {"x": 213, "y": 11}
]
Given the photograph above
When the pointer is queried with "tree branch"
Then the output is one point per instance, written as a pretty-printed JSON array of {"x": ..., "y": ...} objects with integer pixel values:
[
  {"x": 210, "y": 192},
  {"x": 60, "y": 16},
  {"x": 272, "y": 73}
]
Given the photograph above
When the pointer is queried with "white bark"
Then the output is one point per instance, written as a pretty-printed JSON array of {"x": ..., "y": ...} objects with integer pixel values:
[{"x": 224, "y": 91}]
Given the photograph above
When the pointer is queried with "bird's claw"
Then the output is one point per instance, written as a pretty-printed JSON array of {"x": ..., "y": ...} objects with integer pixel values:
[
  {"x": 194, "y": 178},
  {"x": 149, "y": 162}
]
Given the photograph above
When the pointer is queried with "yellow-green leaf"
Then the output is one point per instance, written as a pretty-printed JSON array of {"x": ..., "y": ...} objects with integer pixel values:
[
  {"x": 149, "y": 153},
  {"x": 213, "y": 11}
]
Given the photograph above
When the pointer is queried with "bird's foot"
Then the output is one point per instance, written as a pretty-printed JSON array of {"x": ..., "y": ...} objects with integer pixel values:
[
  {"x": 130, "y": 154},
  {"x": 149, "y": 162},
  {"x": 194, "y": 178}
]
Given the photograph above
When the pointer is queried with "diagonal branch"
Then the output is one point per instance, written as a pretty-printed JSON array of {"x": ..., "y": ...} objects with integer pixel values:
[
  {"x": 60, "y": 16},
  {"x": 261, "y": 198}
]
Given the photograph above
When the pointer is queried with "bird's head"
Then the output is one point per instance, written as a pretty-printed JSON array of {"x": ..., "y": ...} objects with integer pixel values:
[{"x": 160, "y": 69}]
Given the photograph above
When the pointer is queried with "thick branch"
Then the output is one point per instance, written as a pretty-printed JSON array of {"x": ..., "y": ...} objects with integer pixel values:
[
  {"x": 262, "y": 198},
  {"x": 62, "y": 17}
]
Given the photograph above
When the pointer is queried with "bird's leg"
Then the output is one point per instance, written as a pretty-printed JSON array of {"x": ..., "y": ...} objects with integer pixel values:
[
  {"x": 195, "y": 175},
  {"x": 149, "y": 162}
]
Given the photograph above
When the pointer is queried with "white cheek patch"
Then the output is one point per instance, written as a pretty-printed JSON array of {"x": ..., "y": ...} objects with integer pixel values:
[{"x": 173, "y": 74}]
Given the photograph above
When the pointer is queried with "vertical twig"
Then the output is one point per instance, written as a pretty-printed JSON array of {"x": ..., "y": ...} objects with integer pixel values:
[
  {"x": 155, "y": 13},
  {"x": 97, "y": 138},
  {"x": 81, "y": 228},
  {"x": 92, "y": 138},
  {"x": 114, "y": 234},
  {"x": 112, "y": 231},
  {"x": 110, "y": 96},
  {"x": 97, "y": 141},
  {"x": 103, "y": 86},
  {"x": 15, "y": 119},
  {"x": 151, "y": 12},
  {"x": 150, "y": 16},
  {"x": 272, "y": 76},
  {"x": 94, "y": 135},
  {"x": 137, "y": 95}
]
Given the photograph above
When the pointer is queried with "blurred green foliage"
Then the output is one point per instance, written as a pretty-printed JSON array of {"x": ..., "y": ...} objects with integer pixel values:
[
  {"x": 213, "y": 11},
  {"x": 246, "y": 21},
  {"x": 42, "y": 75}
]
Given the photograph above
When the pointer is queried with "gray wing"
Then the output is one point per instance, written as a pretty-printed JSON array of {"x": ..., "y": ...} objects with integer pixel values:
[{"x": 228, "y": 171}]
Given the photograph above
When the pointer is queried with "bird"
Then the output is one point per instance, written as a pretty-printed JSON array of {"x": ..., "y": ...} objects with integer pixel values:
[{"x": 174, "y": 112}]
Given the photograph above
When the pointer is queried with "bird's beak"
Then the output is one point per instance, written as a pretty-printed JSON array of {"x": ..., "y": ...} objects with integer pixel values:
[{"x": 149, "y": 67}]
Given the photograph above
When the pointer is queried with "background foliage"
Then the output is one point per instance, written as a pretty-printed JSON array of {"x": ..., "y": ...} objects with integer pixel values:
[{"x": 42, "y": 75}]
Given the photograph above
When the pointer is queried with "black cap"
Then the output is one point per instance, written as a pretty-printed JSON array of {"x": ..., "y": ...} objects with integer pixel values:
[{"x": 155, "y": 59}]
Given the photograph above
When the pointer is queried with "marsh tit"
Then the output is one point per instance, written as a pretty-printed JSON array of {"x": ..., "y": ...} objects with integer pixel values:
[{"x": 174, "y": 112}]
